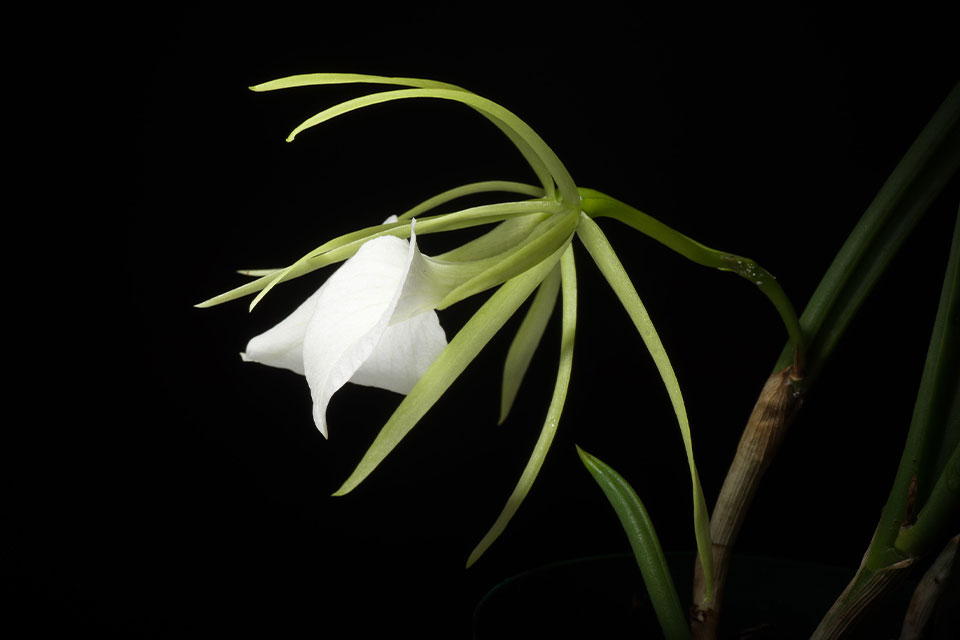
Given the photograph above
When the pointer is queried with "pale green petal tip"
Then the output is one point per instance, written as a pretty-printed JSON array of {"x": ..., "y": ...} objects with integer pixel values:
[
  {"x": 474, "y": 556},
  {"x": 349, "y": 485}
]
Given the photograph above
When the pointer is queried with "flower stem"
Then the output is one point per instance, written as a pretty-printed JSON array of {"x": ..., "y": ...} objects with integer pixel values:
[{"x": 932, "y": 160}]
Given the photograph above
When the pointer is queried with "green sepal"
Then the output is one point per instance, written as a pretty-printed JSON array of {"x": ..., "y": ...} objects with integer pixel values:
[
  {"x": 451, "y": 362},
  {"x": 545, "y": 239},
  {"x": 526, "y": 340},
  {"x": 523, "y": 145},
  {"x": 471, "y": 189},
  {"x": 343, "y": 247},
  {"x": 606, "y": 259},
  {"x": 568, "y": 277}
]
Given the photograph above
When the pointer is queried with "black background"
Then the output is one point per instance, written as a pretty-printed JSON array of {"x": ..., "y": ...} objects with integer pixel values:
[{"x": 162, "y": 488}]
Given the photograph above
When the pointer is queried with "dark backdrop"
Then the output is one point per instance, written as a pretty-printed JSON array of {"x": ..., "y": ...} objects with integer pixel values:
[{"x": 167, "y": 489}]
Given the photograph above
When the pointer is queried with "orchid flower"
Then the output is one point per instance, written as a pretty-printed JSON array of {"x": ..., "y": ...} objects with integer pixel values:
[
  {"x": 364, "y": 325},
  {"x": 374, "y": 321}
]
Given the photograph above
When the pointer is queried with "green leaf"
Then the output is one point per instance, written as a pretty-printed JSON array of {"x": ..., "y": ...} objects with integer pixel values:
[
  {"x": 450, "y": 364},
  {"x": 918, "y": 179},
  {"x": 597, "y": 204},
  {"x": 606, "y": 259},
  {"x": 646, "y": 546},
  {"x": 526, "y": 340},
  {"x": 926, "y": 474},
  {"x": 569, "y": 285}
]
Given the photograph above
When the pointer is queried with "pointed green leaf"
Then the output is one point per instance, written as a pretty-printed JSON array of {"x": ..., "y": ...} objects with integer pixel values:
[
  {"x": 918, "y": 179},
  {"x": 526, "y": 340},
  {"x": 646, "y": 546},
  {"x": 568, "y": 276},
  {"x": 449, "y": 365},
  {"x": 929, "y": 471},
  {"x": 606, "y": 259}
]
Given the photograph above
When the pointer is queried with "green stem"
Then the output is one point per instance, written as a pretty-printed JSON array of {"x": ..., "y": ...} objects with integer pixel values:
[{"x": 597, "y": 204}]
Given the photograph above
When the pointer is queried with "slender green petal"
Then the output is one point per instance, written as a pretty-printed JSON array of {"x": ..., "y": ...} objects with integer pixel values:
[
  {"x": 344, "y": 246},
  {"x": 568, "y": 277},
  {"x": 526, "y": 340},
  {"x": 503, "y": 237},
  {"x": 597, "y": 204},
  {"x": 611, "y": 268},
  {"x": 546, "y": 156},
  {"x": 338, "y": 250},
  {"x": 518, "y": 138},
  {"x": 257, "y": 273},
  {"x": 315, "y": 79},
  {"x": 646, "y": 546},
  {"x": 450, "y": 364},
  {"x": 470, "y": 189},
  {"x": 556, "y": 232}
]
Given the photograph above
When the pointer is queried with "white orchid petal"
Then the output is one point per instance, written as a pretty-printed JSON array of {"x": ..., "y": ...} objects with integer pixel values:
[
  {"x": 351, "y": 316},
  {"x": 371, "y": 323},
  {"x": 426, "y": 284},
  {"x": 405, "y": 352},
  {"x": 282, "y": 345}
]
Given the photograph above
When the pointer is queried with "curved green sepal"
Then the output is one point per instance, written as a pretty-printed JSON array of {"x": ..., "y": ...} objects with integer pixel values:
[
  {"x": 451, "y": 362},
  {"x": 504, "y": 236},
  {"x": 471, "y": 189},
  {"x": 518, "y": 139},
  {"x": 544, "y": 155},
  {"x": 526, "y": 340},
  {"x": 646, "y": 546},
  {"x": 342, "y": 247},
  {"x": 544, "y": 241},
  {"x": 568, "y": 276},
  {"x": 606, "y": 259}
]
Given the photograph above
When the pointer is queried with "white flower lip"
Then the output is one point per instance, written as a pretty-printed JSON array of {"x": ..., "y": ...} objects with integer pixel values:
[{"x": 371, "y": 323}]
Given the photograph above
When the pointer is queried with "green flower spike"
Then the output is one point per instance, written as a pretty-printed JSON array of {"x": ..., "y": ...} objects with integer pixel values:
[{"x": 374, "y": 323}]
